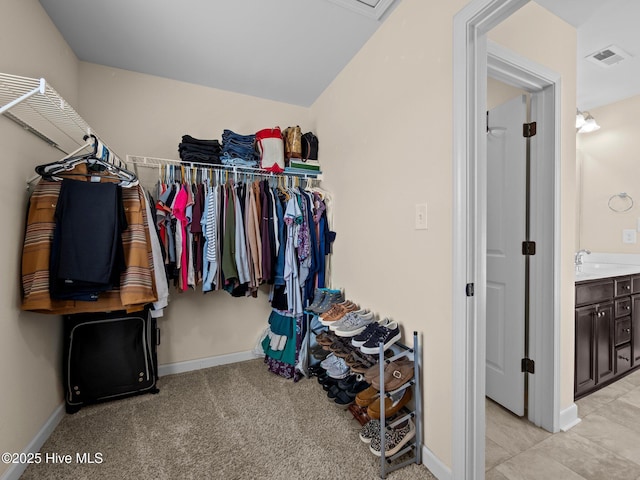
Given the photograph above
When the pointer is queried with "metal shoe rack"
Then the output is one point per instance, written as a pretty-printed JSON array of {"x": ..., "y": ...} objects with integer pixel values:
[{"x": 412, "y": 353}]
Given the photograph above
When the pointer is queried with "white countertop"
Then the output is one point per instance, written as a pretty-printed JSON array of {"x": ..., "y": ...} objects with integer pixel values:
[{"x": 604, "y": 265}]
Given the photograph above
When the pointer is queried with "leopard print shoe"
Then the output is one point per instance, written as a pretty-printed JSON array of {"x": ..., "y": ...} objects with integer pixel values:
[{"x": 395, "y": 440}]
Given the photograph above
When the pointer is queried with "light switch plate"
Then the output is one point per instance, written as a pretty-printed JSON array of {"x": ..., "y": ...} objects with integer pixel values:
[{"x": 421, "y": 216}]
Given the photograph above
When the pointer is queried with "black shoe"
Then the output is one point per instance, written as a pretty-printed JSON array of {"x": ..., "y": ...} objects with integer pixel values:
[
  {"x": 357, "y": 387},
  {"x": 316, "y": 370},
  {"x": 343, "y": 400},
  {"x": 329, "y": 382},
  {"x": 347, "y": 383},
  {"x": 333, "y": 391}
]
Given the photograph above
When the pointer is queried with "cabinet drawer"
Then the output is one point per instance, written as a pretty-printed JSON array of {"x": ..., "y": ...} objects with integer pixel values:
[
  {"x": 623, "y": 307},
  {"x": 623, "y": 286},
  {"x": 623, "y": 330},
  {"x": 593, "y": 292},
  {"x": 635, "y": 284},
  {"x": 623, "y": 359}
]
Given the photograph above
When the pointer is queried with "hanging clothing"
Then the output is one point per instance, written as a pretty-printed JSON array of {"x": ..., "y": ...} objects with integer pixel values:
[
  {"x": 86, "y": 254},
  {"x": 137, "y": 285}
]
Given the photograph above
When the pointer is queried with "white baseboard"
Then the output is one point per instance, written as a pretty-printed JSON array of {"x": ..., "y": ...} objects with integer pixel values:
[
  {"x": 435, "y": 465},
  {"x": 17, "y": 469},
  {"x": 569, "y": 417},
  {"x": 190, "y": 365}
]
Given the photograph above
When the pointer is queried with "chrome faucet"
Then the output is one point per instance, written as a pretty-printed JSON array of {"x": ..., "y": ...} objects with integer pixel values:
[{"x": 580, "y": 254}]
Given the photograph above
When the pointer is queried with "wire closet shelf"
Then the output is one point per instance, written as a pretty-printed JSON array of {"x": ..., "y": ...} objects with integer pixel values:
[
  {"x": 235, "y": 170},
  {"x": 35, "y": 105}
]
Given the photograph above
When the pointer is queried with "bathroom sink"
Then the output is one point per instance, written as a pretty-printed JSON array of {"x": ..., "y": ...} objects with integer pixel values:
[{"x": 592, "y": 271}]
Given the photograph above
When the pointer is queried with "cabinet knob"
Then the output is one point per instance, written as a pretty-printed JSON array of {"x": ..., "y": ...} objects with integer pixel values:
[
  {"x": 627, "y": 287},
  {"x": 623, "y": 358},
  {"x": 628, "y": 307},
  {"x": 628, "y": 330}
]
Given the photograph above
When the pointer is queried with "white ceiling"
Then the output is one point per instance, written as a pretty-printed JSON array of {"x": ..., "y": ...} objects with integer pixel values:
[
  {"x": 601, "y": 23},
  {"x": 284, "y": 50},
  {"x": 291, "y": 50}
]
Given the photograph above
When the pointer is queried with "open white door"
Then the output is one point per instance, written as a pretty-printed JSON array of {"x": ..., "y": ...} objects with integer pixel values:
[{"x": 506, "y": 230}]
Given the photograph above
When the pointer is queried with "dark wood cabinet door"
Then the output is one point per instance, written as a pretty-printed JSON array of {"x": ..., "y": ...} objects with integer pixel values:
[
  {"x": 635, "y": 329},
  {"x": 585, "y": 367},
  {"x": 605, "y": 366},
  {"x": 623, "y": 359}
]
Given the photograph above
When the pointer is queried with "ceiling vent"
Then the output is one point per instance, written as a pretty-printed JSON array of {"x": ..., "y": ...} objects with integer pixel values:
[
  {"x": 369, "y": 8},
  {"x": 609, "y": 56}
]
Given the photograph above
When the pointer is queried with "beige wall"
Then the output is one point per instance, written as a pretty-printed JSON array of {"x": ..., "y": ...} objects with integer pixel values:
[
  {"x": 30, "y": 344},
  {"x": 145, "y": 115},
  {"x": 609, "y": 162},
  {"x": 386, "y": 126}
]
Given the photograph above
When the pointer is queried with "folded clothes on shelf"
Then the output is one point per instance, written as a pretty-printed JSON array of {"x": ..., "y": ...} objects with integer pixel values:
[
  {"x": 238, "y": 150},
  {"x": 199, "y": 151}
]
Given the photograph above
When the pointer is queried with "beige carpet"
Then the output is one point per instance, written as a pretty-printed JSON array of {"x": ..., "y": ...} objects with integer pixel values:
[{"x": 230, "y": 422}]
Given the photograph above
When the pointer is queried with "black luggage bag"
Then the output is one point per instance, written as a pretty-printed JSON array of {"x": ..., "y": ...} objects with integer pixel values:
[{"x": 109, "y": 356}]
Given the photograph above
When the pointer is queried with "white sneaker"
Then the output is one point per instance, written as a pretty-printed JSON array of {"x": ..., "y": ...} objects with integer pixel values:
[{"x": 354, "y": 325}]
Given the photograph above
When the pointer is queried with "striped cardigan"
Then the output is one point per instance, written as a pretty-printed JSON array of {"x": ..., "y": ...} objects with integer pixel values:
[{"x": 137, "y": 286}]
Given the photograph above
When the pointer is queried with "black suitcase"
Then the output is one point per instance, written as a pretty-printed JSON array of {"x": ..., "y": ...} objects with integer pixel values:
[{"x": 108, "y": 356}]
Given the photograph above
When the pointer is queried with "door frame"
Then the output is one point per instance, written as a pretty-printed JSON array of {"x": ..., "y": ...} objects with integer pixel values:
[{"x": 473, "y": 57}]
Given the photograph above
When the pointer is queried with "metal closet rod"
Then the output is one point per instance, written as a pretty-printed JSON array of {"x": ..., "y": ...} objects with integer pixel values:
[{"x": 235, "y": 169}]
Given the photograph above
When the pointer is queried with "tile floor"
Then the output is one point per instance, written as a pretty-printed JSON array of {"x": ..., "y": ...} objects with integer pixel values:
[{"x": 604, "y": 446}]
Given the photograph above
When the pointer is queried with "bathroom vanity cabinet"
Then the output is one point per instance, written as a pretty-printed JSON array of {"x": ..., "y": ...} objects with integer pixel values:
[{"x": 607, "y": 331}]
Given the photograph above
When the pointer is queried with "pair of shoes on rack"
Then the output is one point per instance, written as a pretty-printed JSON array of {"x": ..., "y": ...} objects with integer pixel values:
[
  {"x": 385, "y": 332},
  {"x": 316, "y": 370},
  {"x": 367, "y": 396},
  {"x": 318, "y": 352},
  {"x": 353, "y": 323},
  {"x": 396, "y": 374},
  {"x": 335, "y": 366},
  {"x": 371, "y": 429},
  {"x": 341, "y": 350},
  {"x": 324, "y": 300},
  {"x": 362, "y": 362},
  {"x": 395, "y": 439},
  {"x": 359, "y": 413},
  {"x": 344, "y": 391},
  {"x": 337, "y": 312},
  {"x": 392, "y": 404},
  {"x": 318, "y": 296},
  {"x": 325, "y": 339}
]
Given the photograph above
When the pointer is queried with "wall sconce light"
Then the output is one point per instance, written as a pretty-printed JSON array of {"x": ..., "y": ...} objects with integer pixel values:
[{"x": 585, "y": 122}]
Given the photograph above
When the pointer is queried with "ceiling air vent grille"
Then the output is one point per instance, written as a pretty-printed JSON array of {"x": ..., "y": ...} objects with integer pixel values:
[
  {"x": 369, "y": 8},
  {"x": 608, "y": 56}
]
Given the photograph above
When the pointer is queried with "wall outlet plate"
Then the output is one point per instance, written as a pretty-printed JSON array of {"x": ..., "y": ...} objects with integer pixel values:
[{"x": 629, "y": 235}]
